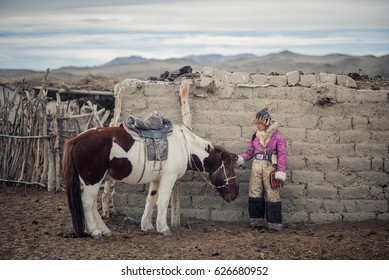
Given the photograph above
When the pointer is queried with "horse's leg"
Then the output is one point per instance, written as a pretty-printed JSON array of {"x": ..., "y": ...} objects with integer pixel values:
[
  {"x": 89, "y": 198},
  {"x": 99, "y": 221},
  {"x": 165, "y": 189},
  {"x": 152, "y": 196},
  {"x": 106, "y": 197}
]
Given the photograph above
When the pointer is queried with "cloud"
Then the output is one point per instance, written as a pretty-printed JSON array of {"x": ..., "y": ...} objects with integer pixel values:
[
  {"x": 202, "y": 16},
  {"x": 93, "y": 32}
]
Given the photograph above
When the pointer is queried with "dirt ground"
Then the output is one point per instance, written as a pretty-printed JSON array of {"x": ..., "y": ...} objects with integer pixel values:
[{"x": 34, "y": 224}]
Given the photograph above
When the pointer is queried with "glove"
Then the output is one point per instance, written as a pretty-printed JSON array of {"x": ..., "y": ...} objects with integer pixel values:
[
  {"x": 280, "y": 176},
  {"x": 240, "y": 160}
]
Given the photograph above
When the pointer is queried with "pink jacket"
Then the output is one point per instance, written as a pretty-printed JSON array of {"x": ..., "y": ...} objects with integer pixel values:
[{"x": 276, "y": 144}]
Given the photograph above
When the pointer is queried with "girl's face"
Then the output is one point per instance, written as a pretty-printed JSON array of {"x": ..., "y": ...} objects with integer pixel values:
[{"x": 261, "y": 127}]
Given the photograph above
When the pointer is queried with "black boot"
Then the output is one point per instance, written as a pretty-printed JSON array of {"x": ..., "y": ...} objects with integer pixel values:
[
  {"x": 257, "y": 212},
  {"x": 274, "y": 216}
]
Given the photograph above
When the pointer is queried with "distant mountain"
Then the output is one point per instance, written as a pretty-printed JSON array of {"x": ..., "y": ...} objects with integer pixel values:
[
  {"x": 282, "y": 62},
  {"x": 126, "y": 60},
  {"x": 217, "y": 58},
  {"x": 198, "y": 59},
  {"x": 333, "y": 63}
]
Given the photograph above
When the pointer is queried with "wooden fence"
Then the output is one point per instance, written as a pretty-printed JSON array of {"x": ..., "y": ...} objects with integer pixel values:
[
  {"x": 32, "y": 136},
  {"x": 26, "y": 154}
]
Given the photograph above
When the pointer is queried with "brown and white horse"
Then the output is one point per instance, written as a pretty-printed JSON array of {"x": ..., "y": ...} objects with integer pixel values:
[{"x": 112, "y": 153}]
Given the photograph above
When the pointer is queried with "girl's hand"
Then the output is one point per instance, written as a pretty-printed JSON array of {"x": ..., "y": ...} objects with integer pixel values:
[{"x": 280, "y": 176}]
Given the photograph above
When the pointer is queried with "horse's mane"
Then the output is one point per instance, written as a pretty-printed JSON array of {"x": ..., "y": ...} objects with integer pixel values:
[
  {"x": 226, "y": 155},
  {"x": 205, "y": 144},
  {"x": 208, "y": 146}
]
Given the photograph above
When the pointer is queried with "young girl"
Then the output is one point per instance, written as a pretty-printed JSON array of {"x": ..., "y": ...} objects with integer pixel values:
[{"x": 268, "y": 149}]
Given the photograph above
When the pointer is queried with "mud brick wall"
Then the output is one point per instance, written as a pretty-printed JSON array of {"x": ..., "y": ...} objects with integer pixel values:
[{"x": 338, "y": 141}]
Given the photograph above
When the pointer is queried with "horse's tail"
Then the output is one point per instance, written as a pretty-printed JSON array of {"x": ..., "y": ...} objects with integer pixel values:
[{"x": 73, "y": 188}]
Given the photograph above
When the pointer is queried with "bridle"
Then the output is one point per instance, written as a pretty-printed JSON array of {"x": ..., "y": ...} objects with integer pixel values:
[
  {"x": 222, "y": 168},
  {"x": 227, "y": 179}
]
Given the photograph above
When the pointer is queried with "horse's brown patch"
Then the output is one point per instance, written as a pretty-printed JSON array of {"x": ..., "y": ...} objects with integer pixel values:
[
  {"x": 195, "y": 163},
  {"x": 125, "y": 142},
  {"x": 220, "y": 166},
  {"x": 93, "y": 148},
  {"x": 90, "y": 163},
  {"x": 119, "y": 168}
]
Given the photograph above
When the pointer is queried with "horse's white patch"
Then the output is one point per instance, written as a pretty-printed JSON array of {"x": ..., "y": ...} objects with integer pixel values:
[
  {"x": 117, "y": 151},
  {"x": 142, "y": 170},
  {"x": 93, "y": 128}
]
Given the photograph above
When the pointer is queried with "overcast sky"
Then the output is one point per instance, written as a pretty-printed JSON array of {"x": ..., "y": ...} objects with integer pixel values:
[{"x": 48, "y": 33}]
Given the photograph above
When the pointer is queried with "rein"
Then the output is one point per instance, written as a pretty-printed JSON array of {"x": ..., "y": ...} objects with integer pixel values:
[{"x": 226, "y": 180}]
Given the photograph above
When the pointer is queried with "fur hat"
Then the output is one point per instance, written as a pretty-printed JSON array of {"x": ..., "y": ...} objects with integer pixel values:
[{"x": 263, "y": 116}]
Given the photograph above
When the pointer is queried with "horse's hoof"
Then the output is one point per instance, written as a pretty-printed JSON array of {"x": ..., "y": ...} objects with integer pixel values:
[
  {"x": 96, "y": 234},
  {"x": 107, "y": 233},
  {"x": 148, "y": 228},
  {"x": 167, "y": 232}
]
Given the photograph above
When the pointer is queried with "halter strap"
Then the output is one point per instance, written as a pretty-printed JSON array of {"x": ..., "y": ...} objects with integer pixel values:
[{"x": 227, "y": 179}]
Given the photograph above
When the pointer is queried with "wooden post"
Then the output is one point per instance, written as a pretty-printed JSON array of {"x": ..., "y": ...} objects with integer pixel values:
[
  {"x": 56, "y": 145},
  {"x": 109, "y": 185},
  {"x": 187, "y": 121},
  {"x": 118, "y": 108},
  {"x": 51, "y": 173},
  {"x": 184, "y": 99}
]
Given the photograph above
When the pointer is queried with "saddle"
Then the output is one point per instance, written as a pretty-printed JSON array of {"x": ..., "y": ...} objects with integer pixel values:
[{"x": 154, "y": 129}]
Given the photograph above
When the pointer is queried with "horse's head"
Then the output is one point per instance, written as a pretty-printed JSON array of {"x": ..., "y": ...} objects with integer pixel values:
[{"x": 220, "y": 166}]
